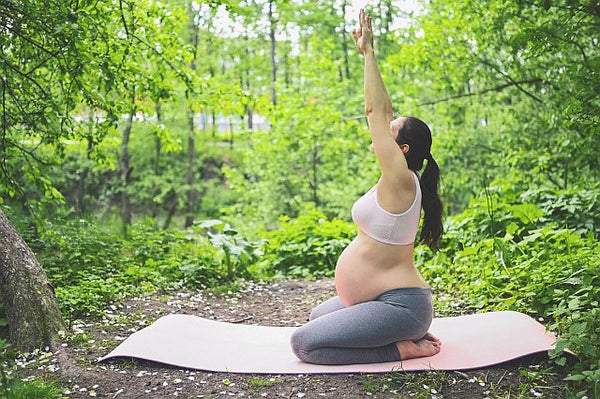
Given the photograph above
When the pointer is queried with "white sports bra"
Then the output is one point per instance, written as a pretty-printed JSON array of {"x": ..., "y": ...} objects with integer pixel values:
[{"x": 386, "y": 227}]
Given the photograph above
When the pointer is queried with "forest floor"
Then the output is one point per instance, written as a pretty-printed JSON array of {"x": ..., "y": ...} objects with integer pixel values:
[{"x": 283, "y": 303}]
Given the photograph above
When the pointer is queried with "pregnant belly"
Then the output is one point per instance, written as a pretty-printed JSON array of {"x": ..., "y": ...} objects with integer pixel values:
[{"x": 364, "y": 270}]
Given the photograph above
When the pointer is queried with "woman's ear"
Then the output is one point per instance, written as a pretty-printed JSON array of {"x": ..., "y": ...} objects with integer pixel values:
[{"x": 405, "y": 148}]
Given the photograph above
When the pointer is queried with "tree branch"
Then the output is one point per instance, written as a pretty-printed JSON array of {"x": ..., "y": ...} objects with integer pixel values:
[
  {"x": 183, "y": 76},
  {"x": 579, "y": 47},
  {"x": 123, "y": 17},
  {"x": 35, "y": 44},
  {"x": 515, "y": 83},
  {"x": 19, "y": 72},
  {"x": 31, "y": 153},
  {"x": 4, "y": 122},
  {"x": 475, "y": 93}
]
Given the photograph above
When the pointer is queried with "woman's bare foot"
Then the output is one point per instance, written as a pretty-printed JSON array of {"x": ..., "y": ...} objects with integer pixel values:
[
  {"x": 429, "y": 345},
  {"x": 430, "y": 337}
]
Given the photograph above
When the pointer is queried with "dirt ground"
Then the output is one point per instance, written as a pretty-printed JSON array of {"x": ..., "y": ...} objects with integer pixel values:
[{"x": 283, "y": 303}]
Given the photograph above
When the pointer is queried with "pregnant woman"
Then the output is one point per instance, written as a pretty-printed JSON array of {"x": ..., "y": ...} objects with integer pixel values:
[{"x": 384, "y": 306}]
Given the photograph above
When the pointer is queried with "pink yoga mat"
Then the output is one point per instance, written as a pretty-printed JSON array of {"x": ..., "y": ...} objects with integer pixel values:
[{"x": 468, "y": 342}]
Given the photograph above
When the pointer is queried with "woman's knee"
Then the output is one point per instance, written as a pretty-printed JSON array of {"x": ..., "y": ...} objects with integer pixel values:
[{"x": 300, "y": 344}]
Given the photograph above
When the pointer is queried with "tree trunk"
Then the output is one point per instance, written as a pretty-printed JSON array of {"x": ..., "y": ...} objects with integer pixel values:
[
  {"x": 230, "y": 132},
  {"x": 86, "y": 170},
  {"x": 126, "y": 168},
  {"x": 190, "y": 179},
  {"x": 172, "y": 201},
  {"x": 345, "y": 46},
  {"x": 249, "y": 111},
  {"x": 273, "y": 43},
  {"x": 81, "y": 191},
  {"x": 157, "y": 154},
  {"x": 33, "y": 314},
  {"x": 316, "y": 160},
  {"x": 157, "y": 141},
  {"x": 214, "y": 124},
  {"x": 286, "y": 66}
]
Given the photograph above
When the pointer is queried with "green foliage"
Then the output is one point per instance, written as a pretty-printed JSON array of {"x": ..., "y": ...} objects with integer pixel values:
[
  {"x": 68, "y": 60},
  {"x": 576, "y": 208},
  {"x": 514, "y": 256},
  {"x": 11, "y": 388},
  {"x": 91, "y": 267},
  {"x": 263, "y": 382},
  {"x": 508, "y": 87},
  {"x": 35, "y": 390},
  {"x": 70, "y": 250},
  {"x": 308, "y": 245},
  {"x": 239, "y": 253},
  {"x": 314, "y": 153}
]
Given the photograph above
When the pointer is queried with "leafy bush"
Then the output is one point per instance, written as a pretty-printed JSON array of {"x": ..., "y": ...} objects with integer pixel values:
[
  {"x": 172, "y": 256},
  {"x": 308, "y": 245},
  {"x": 515, "y": 256},
  {"x": 238, "y": 252},
  {"x": 91, "y": 267},
  {"x": 70, "y": 250},
  {"x": 575, "y": 208}
]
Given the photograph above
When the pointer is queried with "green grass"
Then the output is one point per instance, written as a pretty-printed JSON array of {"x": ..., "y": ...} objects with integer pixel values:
[
  {"x": 34, "y": 390},
  {"x": 420, "y": 385},
  {"x": 262, "y": 382}
]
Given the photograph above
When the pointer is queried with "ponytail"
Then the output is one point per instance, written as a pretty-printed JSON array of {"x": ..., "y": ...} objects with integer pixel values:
[
  {"x": 417, "y": 135},
  {"x": 432, "y": 228}
]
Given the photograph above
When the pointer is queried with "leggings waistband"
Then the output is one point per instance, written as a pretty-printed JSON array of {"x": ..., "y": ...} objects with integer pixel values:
[{"x": 404, "y": 291}]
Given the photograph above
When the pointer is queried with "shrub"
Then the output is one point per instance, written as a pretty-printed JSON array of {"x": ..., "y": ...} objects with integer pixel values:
[
  {"x": 70, "y": 250},
  {"x": 308, "y": 245},
  {"x": 516, "y": 256},
  {"x": 575, "y": 208},
  {"x": 91, "y": 267},
  {"x": 238, "y": 253}
]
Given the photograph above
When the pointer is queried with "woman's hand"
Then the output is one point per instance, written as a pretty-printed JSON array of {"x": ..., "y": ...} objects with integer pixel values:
[{"x": 363, "y": 35}]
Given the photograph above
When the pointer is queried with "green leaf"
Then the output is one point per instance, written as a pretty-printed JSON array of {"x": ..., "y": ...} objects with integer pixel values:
[
  {"x": 512, "y": 228},
  {"x": 527, "y": 213},
  {"x": 207, "y": 224}
]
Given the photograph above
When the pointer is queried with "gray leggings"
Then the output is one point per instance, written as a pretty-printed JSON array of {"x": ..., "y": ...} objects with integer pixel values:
[{"x": 365, "y": 332}]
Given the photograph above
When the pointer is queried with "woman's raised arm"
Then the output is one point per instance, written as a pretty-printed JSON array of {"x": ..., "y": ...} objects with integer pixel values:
[{"x": 378, "y": 107}]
